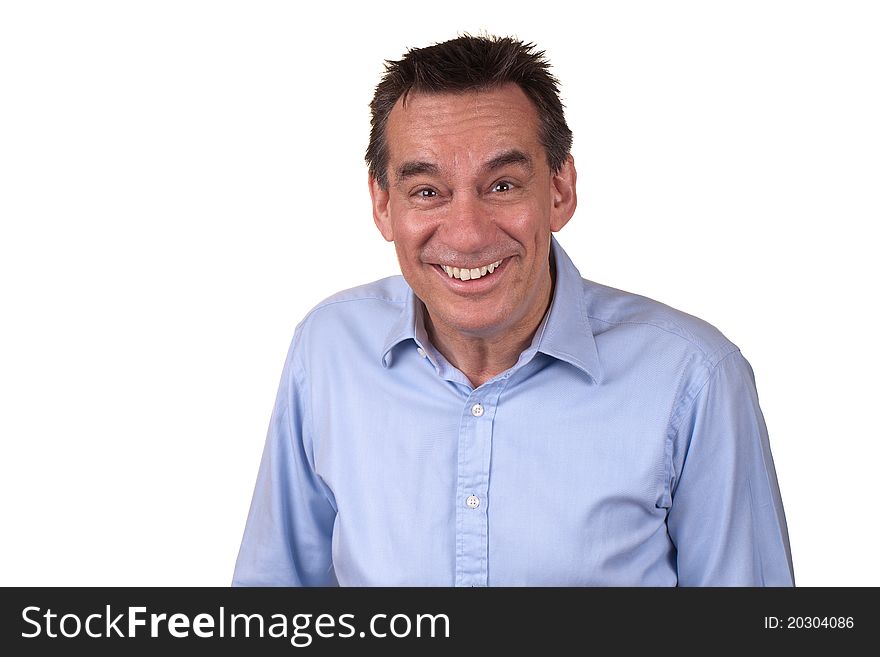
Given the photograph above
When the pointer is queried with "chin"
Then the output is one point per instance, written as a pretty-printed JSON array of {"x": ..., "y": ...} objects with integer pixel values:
[{"x": 477, "y": 325}]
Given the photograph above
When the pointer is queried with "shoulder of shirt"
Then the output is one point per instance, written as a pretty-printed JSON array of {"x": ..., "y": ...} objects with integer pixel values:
[
  {"x": 392, "y": 289},
  {"x": 385, "y": 298},
  {"x": 609, "y": 308}
]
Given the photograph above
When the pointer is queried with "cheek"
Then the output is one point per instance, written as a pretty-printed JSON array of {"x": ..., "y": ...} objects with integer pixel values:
[
  {"x": 528, "y": 222},
  {"x": 408, "y": 254},
  {"x": 410, "y": 236},
  {"x": 403, "y": 251}
]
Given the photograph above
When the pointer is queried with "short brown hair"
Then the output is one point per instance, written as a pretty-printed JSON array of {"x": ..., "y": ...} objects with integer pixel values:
[{"x": 470, "y": 63}]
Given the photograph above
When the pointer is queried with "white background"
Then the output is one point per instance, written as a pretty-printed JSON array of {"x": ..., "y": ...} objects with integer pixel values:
[{"x": 181, "y": 181}]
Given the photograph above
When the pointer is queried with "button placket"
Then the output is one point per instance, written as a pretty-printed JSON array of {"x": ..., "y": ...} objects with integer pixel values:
[{"x": 472, "y": 490}]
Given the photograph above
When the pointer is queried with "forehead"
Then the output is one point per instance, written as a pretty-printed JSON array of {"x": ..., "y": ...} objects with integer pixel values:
[{"x": 472, "y": 124}]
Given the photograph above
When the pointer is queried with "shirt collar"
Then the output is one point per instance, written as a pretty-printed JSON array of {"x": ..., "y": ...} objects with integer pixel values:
[
  {"x": 565, "y": 333},
  {"x": 404, "y": 328}
]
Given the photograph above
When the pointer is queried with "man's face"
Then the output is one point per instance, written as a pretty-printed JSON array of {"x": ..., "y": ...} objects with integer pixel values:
[{"x": 470, "y": 205}]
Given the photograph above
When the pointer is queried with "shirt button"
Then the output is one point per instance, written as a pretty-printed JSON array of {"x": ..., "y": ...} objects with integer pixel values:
[
  {"x": 477, "y": 411},
  {"x": 473, "y": 501},
  {"x": 421, "y": 352}
]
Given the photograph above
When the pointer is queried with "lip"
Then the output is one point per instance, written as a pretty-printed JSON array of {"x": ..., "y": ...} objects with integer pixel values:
[{"x": 480, "y": 285}]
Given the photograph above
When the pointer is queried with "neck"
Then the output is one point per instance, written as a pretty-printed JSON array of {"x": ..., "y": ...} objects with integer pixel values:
[{"x": 482, "y": 357}]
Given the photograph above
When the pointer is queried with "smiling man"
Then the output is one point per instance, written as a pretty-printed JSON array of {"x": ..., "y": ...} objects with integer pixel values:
[
  {"x": 490, "y": 417},
  {"x": 470, "y": 206}
]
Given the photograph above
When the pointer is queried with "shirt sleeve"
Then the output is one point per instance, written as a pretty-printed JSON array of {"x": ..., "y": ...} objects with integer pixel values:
[
  {"x": 287, "y": 538},
  {"x": 726, "y": 518}
]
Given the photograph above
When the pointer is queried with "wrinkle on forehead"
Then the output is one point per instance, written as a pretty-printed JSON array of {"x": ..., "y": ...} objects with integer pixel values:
[
  {"x": 511, "y": 157},
  {"x": 463, "y": 128}
]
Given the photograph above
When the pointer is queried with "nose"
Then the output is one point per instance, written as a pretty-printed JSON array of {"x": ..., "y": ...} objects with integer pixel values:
[{"x": 469, "y": 227}]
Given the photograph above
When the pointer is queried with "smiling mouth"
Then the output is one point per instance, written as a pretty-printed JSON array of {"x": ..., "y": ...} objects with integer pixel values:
[{"x": 470, "y": 274}]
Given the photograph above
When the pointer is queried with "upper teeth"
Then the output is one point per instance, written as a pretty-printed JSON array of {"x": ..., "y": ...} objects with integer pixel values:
[{"x": 468, "y": 274}]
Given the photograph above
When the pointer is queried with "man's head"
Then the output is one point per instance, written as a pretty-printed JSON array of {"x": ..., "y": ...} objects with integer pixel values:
[
  {"x": 470, "y": 64},
  {"x": 470, "y": 167}
]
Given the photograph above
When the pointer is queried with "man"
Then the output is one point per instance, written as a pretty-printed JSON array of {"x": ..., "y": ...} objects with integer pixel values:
[{"x": 491, "y": 418}]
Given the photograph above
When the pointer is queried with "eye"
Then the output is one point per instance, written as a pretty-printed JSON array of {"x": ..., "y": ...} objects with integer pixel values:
[
  {"x": 426, "y": 192},
  {"x": 502, "y": 186}
]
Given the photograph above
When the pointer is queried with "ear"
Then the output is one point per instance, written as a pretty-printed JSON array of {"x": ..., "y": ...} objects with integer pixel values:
[
  {"x": 381, "y": 214},
  {"x": 564, "y": 194}
]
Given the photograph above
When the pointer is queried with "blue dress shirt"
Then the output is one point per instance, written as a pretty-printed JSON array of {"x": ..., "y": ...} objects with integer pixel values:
[{"x": 625, "y": 447}]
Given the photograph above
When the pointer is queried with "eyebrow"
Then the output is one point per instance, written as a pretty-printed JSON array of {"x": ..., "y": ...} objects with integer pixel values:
[
  {"x": 507, "y": 158},
  {"x": 414, "y": 168}
]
